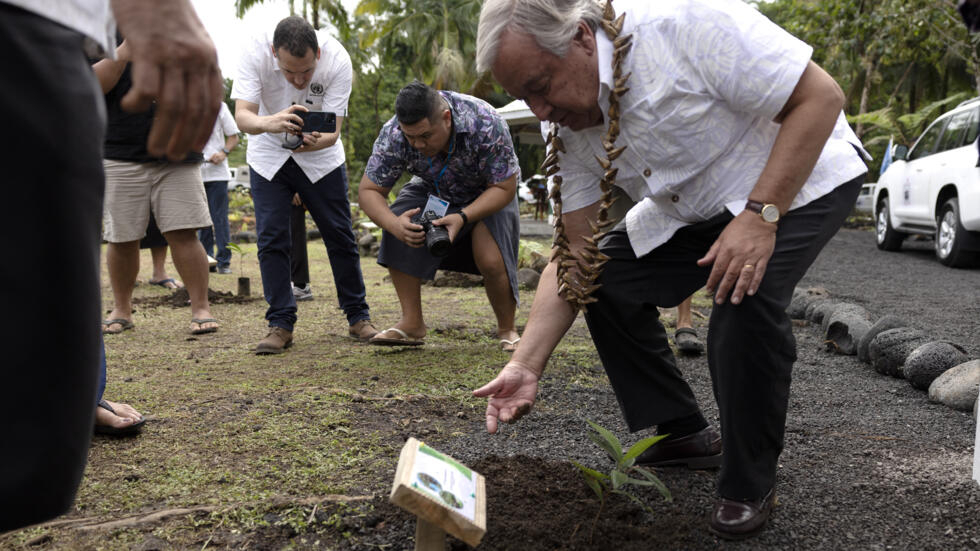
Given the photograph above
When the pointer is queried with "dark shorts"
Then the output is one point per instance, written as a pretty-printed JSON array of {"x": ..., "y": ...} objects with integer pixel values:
[{"x": 504, "y": 226}]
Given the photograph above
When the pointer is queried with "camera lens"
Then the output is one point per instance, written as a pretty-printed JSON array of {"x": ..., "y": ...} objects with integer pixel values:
[{"x": 437, "y": 241}]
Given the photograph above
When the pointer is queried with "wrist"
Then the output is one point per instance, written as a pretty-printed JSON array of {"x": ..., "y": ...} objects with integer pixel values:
[
  {"x": 767, "y": 212},
  {"x": 225, "y": 150},
  {"x": 525, "y": 368},
  {"x": 466, "y": 219}
]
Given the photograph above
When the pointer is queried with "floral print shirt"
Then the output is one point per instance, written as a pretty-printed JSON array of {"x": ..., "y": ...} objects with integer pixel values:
[{"x": 482, "y": 155}]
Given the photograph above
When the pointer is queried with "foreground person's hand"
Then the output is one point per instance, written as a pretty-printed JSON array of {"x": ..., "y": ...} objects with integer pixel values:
[
  {"x": 739, "y": 257},
  {"x": 511, "y": 395},
  {"x": 175, "y": 64}
]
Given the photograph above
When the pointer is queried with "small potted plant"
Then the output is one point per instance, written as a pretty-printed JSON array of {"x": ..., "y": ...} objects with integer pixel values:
[{"x": 244, "y": 283}]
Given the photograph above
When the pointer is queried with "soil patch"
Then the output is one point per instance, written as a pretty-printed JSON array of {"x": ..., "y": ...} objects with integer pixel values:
[{"x": 181, "y": 298}]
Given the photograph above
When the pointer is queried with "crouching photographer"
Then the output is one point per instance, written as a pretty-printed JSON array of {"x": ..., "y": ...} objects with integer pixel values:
[{"x": 465, "y": 172}]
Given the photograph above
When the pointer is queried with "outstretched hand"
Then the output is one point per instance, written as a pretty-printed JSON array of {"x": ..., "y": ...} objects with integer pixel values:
[
  {"x": 739, "y": 257},
  {"x": 511, "y": 395}
]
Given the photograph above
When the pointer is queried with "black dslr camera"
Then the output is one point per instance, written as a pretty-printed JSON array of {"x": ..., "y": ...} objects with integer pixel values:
[{"x": 436, "y": 237}]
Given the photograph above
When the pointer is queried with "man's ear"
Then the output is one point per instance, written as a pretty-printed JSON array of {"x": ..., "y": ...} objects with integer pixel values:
[
  {"x": 318, "y": 53},
  {"x": 585, "y": 38},
  {"x": 273, "y": 48}
]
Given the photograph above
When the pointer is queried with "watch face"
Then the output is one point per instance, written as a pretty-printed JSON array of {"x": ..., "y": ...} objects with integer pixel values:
[{"x": 770, "y": 213}]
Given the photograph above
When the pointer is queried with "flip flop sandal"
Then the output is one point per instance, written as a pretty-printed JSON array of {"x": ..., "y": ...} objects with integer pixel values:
[
  {"x": 687, "y": 341},
  {"x": 124, "y": 325},
  {"x": 202, "y": 330},
  {"x": 166, "y": 284},
  {"x": 402, "y": 340},
  {"x": 110, "y": 430},
  {"x": 509, "y": 346}
]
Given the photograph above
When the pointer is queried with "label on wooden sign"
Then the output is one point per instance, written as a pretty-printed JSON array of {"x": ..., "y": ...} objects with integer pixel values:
[
  {"x": 445, "y": 479},
  {"x": 441, "y": 490}
]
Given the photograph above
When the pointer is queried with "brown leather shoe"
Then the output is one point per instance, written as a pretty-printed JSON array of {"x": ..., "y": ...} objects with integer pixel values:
[
  {"x": 362, "y": 330},
  {"x": 275, "y": 342},
  {"x": 738, "y": 520},
  {"x": 701, "y": 450}
]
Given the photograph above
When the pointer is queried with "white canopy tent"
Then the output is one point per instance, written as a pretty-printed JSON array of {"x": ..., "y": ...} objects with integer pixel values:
[{"x": 523, "y": 124}]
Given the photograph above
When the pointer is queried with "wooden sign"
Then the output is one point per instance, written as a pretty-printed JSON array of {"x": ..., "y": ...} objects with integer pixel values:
[{"x": 444, "y": 494}]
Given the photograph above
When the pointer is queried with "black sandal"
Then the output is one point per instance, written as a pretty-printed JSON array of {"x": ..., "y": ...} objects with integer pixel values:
[{"x": 687, "y": 341}]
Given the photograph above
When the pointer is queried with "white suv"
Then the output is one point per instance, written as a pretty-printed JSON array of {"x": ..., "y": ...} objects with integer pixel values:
[{"x": 934, "y": 189}]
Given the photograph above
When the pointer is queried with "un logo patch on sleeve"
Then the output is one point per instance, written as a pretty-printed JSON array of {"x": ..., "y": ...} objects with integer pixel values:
[{"x": 316, "y": 88}]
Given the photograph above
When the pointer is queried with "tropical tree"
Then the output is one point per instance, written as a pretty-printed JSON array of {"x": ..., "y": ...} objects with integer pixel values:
[{"x": 436, "y": 39}]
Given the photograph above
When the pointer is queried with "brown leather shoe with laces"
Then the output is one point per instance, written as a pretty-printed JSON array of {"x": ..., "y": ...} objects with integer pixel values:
[
  {"x": 362, "y": 330},
  {"x": 737, "y": 520},
  {"x": 275, "y": 342},
  {"x": 701, "y": 450}
]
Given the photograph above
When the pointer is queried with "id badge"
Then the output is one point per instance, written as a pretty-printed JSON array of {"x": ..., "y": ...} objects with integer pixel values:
[{"x": 437, "y": 205}]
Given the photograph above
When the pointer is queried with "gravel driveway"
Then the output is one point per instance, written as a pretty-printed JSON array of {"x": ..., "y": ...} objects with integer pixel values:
[{"x": 869, "y": 462}]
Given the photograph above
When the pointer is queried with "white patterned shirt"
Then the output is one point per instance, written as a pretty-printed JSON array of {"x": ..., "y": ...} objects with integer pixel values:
[
  {"x": 260, "y": 81},
  {"x": 709, "y": 76}
]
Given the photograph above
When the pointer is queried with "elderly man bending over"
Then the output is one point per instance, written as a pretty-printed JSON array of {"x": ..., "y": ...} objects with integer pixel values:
[{"x": 742, "y": 167}]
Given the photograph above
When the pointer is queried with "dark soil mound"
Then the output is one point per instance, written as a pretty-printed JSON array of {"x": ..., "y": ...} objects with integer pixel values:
[{"x": 180, "y": 298}]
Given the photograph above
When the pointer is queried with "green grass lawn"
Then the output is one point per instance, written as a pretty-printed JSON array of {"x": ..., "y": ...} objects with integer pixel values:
[{"x": 234, "y": 436}]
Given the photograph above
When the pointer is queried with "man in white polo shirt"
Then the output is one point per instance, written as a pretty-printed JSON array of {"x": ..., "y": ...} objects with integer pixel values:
[{"x": 281, "y": 74}]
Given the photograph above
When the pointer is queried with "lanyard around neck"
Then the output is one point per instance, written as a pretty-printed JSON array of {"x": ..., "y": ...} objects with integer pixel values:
[{"x": 452, "y": 145}]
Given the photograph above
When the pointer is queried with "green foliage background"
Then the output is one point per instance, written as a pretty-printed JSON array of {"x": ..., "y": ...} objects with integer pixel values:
[{"x": 900, "y": 62}]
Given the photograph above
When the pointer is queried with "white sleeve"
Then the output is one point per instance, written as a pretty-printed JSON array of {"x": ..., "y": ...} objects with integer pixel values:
[
  {"x": 739, "y": 55},
  {"x": 340, "y": 80},
  {"x": 248, "y": 81},
  {"x": 227, "y": 121}
]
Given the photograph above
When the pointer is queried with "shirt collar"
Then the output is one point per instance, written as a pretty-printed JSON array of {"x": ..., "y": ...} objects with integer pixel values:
[
  {"x": 461, "y": 124},
  {"x": 604, "y": 55}
]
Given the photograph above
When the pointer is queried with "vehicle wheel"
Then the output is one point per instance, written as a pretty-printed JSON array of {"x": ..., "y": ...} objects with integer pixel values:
[
  {"x": 950, "y": 236},
  {"x": 887, "y": 237}
]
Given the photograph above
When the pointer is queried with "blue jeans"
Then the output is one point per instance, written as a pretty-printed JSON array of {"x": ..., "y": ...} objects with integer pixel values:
[
  {"x": 102, "y": 377},
  {"x": 217, "y": 192},
  {"x": 326, "y": 200}
]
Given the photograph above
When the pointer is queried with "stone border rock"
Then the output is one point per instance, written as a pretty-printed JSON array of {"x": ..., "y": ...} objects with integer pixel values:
[{"x": 892, "y": 348}]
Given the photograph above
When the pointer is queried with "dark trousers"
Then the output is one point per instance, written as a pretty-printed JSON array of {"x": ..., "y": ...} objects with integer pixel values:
[
  {"x": 751, "y": 348},
  {"x": 219, "y": 232},
  {"x": 54, "y": 113},
  {"x": 299, "y": 261},
  {"x": 327, "y": 202}
]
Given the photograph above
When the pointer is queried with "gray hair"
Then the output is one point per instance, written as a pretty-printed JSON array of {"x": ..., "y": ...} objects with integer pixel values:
[{"x": 552, "y": 23}]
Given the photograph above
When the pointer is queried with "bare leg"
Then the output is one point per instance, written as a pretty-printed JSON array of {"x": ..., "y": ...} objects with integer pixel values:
[
  {"x": 409, "y": 290},
  {"x": 685, "y": 337},
  {"x": 123, "y": 261},
  {"x": 159, "y": 256},
  {"x": 684, "y": 314},
  {"x": 192, "y": 265},
  {"x": 490, "y": 262}
]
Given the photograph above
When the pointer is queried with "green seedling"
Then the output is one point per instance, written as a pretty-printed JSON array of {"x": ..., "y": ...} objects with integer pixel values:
[
  {"x": 241, "y": 257},
  {"x": 620, "y": 477}
]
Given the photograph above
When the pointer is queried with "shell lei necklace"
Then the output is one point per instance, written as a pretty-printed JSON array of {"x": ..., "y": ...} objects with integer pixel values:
[{"x": 577, "y": 274}]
